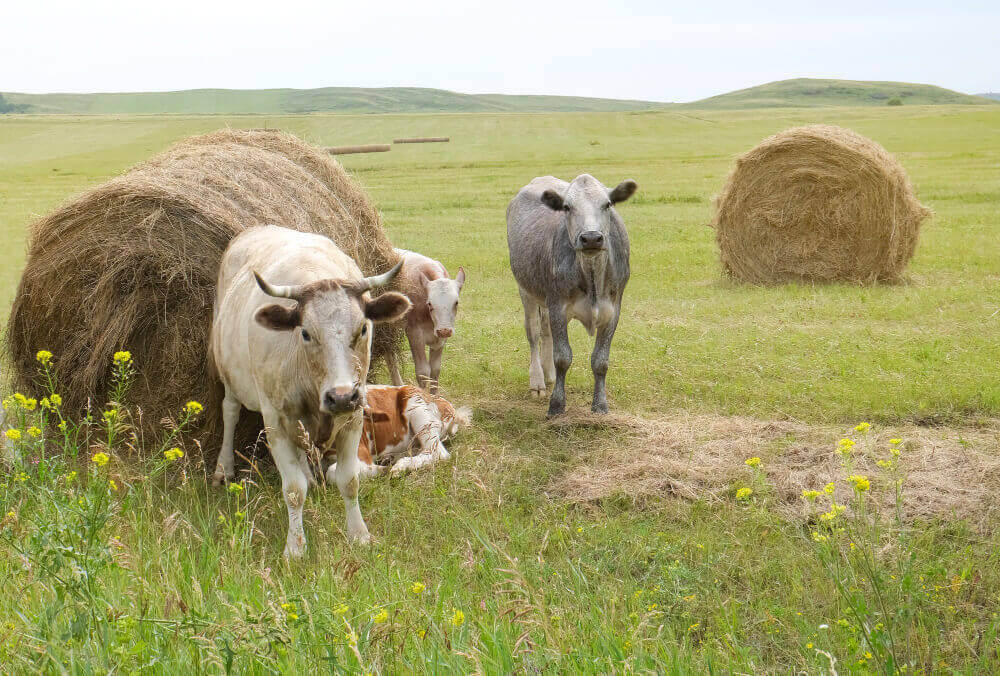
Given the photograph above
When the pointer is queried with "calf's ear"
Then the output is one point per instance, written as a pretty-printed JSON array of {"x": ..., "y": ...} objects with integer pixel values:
[
  {"x": 278, "y": 317},
  {"x": 388, "y": 307},
  {"x": 460, "y": 278},
  {"x": 553, "y": 200},
  {"x": 623, "y": 191}
]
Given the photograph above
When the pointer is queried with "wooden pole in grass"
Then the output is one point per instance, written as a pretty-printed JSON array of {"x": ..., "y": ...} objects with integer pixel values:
[
  {"x": 350, "y": 150},
  {"x": 422, "y": 139}
]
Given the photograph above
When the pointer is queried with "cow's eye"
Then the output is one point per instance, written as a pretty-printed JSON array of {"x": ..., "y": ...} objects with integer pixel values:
[
  {"x": 430, "y": 307},
  {"x": 364, "y": 329},
  {"x": 305, "y": 336},
  {"x": 607, "y": 205}
]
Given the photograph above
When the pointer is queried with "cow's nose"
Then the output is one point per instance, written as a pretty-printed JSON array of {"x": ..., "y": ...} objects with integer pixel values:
[
  {"x": 444, "y": 333},
  {"x": 592, "y": 239},
  {"x": 341, "y": 399}
]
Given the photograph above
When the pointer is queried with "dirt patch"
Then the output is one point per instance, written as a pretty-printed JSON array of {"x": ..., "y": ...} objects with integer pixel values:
[{"x": 948, "y": 471}]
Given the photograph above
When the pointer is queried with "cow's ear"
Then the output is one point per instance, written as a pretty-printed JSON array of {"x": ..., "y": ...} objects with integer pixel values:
[
  {"x": 553, "y": 200},
  {"x": 278, "y": 317},
  {"x": 460, "y": 278},
  {"x": 623, "y": 191},
  {"x": 388, "y": 307}
]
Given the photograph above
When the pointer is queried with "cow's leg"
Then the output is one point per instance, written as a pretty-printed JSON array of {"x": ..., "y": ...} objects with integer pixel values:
[
  {"x": 599, "y": 361},
  {"x": 421, "y": 366},
  {"x": 435, "y": 366},
  {"x": 562, "y": 356},
  {"x": 532, "y": 328},
  {"x": 294, "y": 485},
  {"x": 347, "y": 478},
  {"x": 548, "y": 365},
  {"x": 392, "y": 364},
  {"x": 427, "y": 429},
  {"x": 224, "y": 466}
]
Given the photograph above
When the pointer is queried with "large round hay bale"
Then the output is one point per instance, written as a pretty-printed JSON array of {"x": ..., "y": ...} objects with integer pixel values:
[
  {"x": 132, "y": 264},
  {"x": 820, "y": 204}
]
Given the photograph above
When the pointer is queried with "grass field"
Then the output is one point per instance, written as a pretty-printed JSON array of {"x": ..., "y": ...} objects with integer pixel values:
[{"x": 174, "y": 575}]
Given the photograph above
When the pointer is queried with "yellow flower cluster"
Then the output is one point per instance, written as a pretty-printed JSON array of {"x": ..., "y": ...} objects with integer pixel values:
[
  {"x": 844, "y": 446},
  {"x": 862, "y": 427},
  {"x": 27, "y": 403},
  {"x": 381, "y": 616},
  {"x": 829, "y": 488},
  {"x": 835, "y": 511},
  {"x": 289, "y": 609},
  {"x": 13, "y": 434},
  {"x": 340, "y": 609},
  {"x": 122, "y": 357},
  {"x": 235, "y": 488},
  {"x": 753, "y": 462},
  {"x": 811, "y": 495},
  {"x": 744, "y": 493},
  {"x": 100, "y": 458},
  {"x": 457, "y": 617},
  {"x": 417, "y": 587},
  {"x": 193, "y": 408},
  {"x": 34, "y": 432},
  {"x": 52, "y": 402},
  {"x": 44, "y": 357},
  {"x": 861, "y": 483},
  {"x": 173, "y": 454}
]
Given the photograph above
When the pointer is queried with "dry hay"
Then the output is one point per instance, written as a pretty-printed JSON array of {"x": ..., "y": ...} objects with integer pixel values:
[
  {"x": 351, "y": 150},
  {"x": 423, "y": 139},
  {"x": 132, "y": 264},
  {"x": 949, "y": 471},
  {"x": 820, "y": 204}
]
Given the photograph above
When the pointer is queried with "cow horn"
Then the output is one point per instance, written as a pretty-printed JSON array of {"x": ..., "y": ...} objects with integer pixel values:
[
  {"x": 381, "y": 280},
  {"x": 277, "y": 291}
]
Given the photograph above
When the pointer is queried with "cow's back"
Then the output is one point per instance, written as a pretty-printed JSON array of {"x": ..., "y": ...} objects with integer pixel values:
[{"x": 531, "y": 229}]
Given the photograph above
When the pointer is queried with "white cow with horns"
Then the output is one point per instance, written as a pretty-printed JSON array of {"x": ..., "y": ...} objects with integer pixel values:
[{"x": 298, "y": 353}]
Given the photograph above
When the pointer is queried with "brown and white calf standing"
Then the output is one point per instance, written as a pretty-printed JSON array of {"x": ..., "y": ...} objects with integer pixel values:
[{"x": 431, "y": 322}]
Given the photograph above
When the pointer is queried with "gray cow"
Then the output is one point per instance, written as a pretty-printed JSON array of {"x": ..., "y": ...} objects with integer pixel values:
[{"x": 570, "y": 255}]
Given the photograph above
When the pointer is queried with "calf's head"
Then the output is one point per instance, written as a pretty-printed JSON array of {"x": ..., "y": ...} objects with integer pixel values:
[
  {"x": 588, "y": 206},
  {"x": 332, "y": 320},
  {"x": 442, "y": 302}
]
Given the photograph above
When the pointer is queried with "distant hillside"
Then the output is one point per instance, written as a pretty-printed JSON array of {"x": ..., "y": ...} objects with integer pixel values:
[
  {"x": 325, "y": 100},
  {"x": 809, "y": 93},
  {"x": 990, "y": 95}
]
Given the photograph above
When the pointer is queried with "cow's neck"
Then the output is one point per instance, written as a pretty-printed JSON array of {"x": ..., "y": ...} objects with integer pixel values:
[{"x": 594, "y": 272}]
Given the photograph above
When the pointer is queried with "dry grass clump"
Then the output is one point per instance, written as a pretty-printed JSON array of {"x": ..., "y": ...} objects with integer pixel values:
[
  {"x": 820, "y": 204},
  {"x": 949, "y": 472},
  {"x": 132, "y": 264}
]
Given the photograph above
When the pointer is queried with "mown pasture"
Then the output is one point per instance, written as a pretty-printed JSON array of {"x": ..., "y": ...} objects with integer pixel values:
[{"x": 179, "y": 575}]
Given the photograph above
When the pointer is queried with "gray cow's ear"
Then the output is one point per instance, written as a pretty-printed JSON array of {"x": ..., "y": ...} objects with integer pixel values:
[
  {"x": 388, "y": 307},
  {"x": 623, "y": 191},
  {"x": 278, "y": 317},
  {"x": 553, "y": 200}
]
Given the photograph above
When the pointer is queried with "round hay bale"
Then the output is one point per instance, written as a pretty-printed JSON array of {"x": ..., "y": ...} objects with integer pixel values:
[
  {"x": 132, "y": 264},
  {"x": 820, "y": 204}
]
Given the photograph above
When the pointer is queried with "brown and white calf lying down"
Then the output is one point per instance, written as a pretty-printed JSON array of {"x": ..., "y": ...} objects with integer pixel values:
[{"x": 404, "y": 430}]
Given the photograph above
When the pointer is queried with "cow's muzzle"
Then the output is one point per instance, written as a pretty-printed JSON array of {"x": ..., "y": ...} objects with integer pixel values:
[
  {"x": 443, "y": 333},
  {"x": 342, "y": 399},
  {"x": 592, "y": 241}
]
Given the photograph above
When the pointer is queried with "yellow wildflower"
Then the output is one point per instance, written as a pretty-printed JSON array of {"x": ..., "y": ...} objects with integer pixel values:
[
  {"x": 819, "y": 537},
  {"x": 753, "y": 462},
  {"x": 829, "y": 488},
  {"x": 193, "y": 408},
  {"x": 235, "y": 488},
  {"x": 34, "y": 431},
  {"x": 744, "y": 493},
  {"x": 811, "y": 495},
  {"x": 56, "y": 400},
  {"x": 122, "y": 357},
  {"x": 835, "y": 511},
  {"x": 112, "y": 485},
  {"x": 173, "y": 454},
  {"x": 111, "y": 415},
  {"x": 62, "y": 425},
  {"x": 381, "y": 616},
  {"x": 457, "y": 617},
  {"x": 288, "y": 607},
  {"x": 895, "y": 442},
  {"x": 43, "y": 357},
  {"x": 694, "y": 626},
  {"x": 340, "y": 609},
  {"x": 862, "y": 427},
  {"x": 417, "y": 587},
  {"x": 421, "y": 633},
  {"x": 809, "y": 646},
  {"x": 100, "y": 458},
  {"x": 884, "y": 464},
  {"x": 20, "y": 477},
  {"x": 861, "y": 483},
  {"x": 71, "y": 476},
  {"x": 13, "y": 434},
  {"x": 844, "y": 446}
]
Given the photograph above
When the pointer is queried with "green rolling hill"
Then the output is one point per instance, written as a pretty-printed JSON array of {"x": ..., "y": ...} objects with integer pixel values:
[
  {"x": 325, "y": 100},
  {"x": 810, "y": 93}
]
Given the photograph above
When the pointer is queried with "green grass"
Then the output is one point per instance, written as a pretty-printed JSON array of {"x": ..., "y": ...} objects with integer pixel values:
[
  {"x": 808, "y": 92},
  {"x": 735, "y": 586},
  {"x": 297, "y": 101}
]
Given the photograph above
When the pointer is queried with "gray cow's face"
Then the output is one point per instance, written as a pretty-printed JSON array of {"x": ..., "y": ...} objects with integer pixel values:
[
  {"x": 587, "y": 204},
  {"x": 332, "y": 322}
]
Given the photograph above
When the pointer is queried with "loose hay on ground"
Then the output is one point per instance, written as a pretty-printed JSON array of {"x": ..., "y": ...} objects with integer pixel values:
[
  {"x": 132, "y": 264},
  {"x": 817, "y": 203},
  {"x": 949, "y": 472}
]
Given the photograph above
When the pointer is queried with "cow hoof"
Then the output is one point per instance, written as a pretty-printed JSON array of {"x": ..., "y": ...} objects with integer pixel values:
[
  {"x": 555, "y": 411},
  {"x": 600, "y": 408},
  {"x": 537, "y": 392},
  {"x": 362, "y": 539},
  {"x": 220, "y": 479},
  {"x": 294, "y": 552}
]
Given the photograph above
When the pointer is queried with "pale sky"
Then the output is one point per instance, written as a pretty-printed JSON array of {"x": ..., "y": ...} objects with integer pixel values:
[{"x": 642, "y": 49}]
